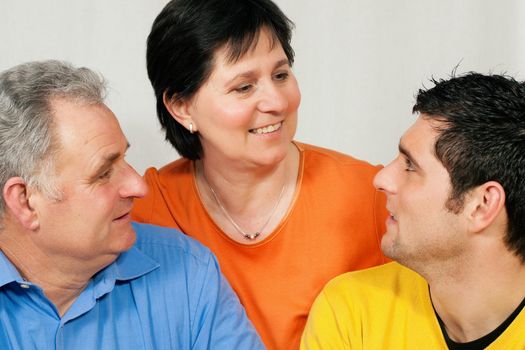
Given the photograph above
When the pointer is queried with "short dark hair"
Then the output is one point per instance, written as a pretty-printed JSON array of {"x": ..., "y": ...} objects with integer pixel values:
[
  {"x": 182, "y": 43},
  {"x": 482, "y": 138}
]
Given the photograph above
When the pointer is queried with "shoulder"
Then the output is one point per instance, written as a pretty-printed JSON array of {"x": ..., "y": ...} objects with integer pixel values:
[
  {"x": 377, "y": 308},
  {"x": 336, "y": 174},
  {"x": 367, "y": 296},
  {"x": 167, "y": 245},
  {"x": 383, "y": 281},
  {"x": 322, "y": 157},
  {"x": 186, "y": 292},
  {"x": 179, "y": 166},
  {"x": 169, "y": 189},
  {"x": 349, "y": 306}
]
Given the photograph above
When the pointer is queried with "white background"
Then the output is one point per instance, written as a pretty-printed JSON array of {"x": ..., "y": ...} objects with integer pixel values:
[{"x": 358, "y": 62}]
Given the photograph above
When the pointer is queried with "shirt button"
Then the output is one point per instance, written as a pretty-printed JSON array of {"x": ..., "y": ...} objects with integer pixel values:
[{"x": 25, "y": 286}]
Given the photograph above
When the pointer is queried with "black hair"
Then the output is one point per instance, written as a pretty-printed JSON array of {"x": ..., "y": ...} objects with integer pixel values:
[
  {"x": 481, "y": 138},
  {"x": 181, "y": 47}
]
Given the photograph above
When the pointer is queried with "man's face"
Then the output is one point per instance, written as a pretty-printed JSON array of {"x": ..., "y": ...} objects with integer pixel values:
[
  {"x": 417, "y": 186},
  {"x": 91, "y": 220}
]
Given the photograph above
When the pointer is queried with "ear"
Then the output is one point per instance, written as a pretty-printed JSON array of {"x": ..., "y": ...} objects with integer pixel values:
[
  {"x": 180, "y": 111},
  {"x": 486, "y": 202},
  {"x": 17, "y": 199}
]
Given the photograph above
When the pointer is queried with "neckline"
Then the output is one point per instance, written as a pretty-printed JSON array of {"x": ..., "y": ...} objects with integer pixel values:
[
  {"x": 483, "y": 341},
  {"x": 275, "y": 232}
]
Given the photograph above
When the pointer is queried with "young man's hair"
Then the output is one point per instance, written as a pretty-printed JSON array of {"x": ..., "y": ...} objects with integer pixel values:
[{"x": 481, "y": 138}]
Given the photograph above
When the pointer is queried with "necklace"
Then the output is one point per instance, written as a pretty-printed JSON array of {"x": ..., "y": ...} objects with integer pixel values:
[{"x": 248, "y": 236}]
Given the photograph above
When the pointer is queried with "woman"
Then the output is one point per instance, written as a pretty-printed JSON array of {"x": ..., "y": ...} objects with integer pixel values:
[{"x": 282, "y": 217}]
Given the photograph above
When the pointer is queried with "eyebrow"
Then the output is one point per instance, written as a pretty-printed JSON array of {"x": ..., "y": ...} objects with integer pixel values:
[
  {"x": 408, "y": 155},
  {"x": 282, "y": 62},
  {"x": 250, "y": 73},
  {"x": 108, "y": 160}
]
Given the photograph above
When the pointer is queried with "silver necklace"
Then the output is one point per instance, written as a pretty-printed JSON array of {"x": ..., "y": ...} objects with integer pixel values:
[{"x": 248, "y": 236}]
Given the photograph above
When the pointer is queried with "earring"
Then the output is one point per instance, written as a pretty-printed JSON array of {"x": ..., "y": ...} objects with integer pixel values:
[{"x": 191, "y": 128}]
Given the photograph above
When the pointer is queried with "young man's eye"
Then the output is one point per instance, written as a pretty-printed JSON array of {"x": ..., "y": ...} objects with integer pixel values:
[{"x": 408, "y": 165}]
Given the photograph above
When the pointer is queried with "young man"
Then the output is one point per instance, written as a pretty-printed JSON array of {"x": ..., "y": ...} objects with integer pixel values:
[
  {"x": 456, "y": 194},
  {"x": 75, "y": 273}
]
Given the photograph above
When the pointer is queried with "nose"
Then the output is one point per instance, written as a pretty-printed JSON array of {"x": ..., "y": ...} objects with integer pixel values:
[
  {"x": 133, "y": 185},
  {"x": 273, "y": 99},
  {"x": 383, "y": 181}
]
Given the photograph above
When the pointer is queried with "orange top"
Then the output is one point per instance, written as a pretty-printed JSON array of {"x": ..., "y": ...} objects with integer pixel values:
[{"x": 334, "y": 225}]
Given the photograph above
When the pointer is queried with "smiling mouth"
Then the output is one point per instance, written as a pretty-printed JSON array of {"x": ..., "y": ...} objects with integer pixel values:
[{"x": 267, "y": 129}]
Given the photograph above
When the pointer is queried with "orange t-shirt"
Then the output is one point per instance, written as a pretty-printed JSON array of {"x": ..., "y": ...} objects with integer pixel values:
[{"x": 334, "y": 225}]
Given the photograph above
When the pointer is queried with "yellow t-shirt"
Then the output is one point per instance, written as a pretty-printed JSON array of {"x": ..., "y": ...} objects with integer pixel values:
[{"x": 385, "y": 307}]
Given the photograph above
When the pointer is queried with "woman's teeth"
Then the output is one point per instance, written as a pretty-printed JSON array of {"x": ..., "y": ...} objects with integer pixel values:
[{"x": 266, "y": 129}]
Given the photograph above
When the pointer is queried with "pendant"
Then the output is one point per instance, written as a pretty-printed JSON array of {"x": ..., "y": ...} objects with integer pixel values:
[{"x": 252, "y": 237}]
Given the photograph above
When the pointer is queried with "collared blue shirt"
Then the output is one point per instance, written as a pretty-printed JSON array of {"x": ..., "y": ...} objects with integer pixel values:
[{"x": 166, "y": 292}]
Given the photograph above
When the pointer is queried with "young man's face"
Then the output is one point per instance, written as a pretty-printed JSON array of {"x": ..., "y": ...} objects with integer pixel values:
[{"x": 417, "y": 186}]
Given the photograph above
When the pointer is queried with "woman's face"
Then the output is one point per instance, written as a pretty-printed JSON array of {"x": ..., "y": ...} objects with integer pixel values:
[{"x": 247, "y": 110}]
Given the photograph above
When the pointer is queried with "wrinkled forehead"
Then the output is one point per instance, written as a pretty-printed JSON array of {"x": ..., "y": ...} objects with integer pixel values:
[{"x": 80, "y": 126}]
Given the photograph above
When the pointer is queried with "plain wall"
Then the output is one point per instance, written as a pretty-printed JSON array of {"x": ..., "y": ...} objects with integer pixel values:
[{"x": 359, "y": 63}]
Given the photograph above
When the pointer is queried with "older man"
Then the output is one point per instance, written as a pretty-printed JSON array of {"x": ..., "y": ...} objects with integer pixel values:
[
  {"x": 75, "y": 273},
  {"x": 456, "y": 194}
]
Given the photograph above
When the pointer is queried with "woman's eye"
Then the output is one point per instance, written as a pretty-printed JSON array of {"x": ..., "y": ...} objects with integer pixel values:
[{"x": 242, "y": 89}]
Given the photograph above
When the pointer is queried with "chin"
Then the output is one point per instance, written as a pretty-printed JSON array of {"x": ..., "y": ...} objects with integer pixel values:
[
  {"x": 266, "y": 159},
  {"x": 388, "y": 245},
  {"x": 279, "y": 153},
  {"x": 132, "y": 238},
  {"x": 127, "y": 239},
  {"x": 276, "y": 159}
]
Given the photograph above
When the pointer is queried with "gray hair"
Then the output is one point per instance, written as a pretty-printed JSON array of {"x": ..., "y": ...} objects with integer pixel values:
[{"x": 27, "y": 140}]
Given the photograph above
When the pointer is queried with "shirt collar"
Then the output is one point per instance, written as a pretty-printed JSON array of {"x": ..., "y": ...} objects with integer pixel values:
[
  {"x": 8, "y": 272},
  {"x": 129, "y": 265}
]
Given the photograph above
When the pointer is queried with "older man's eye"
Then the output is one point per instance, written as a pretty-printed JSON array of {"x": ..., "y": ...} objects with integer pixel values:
[{"x": 106, "y": 174}]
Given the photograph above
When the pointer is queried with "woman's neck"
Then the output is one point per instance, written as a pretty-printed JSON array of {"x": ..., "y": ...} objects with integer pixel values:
[{"x": 249, "y": 195}]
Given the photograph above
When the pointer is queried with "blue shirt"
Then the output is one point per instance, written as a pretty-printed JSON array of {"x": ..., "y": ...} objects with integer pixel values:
[{"x": 166, "y": 292}]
